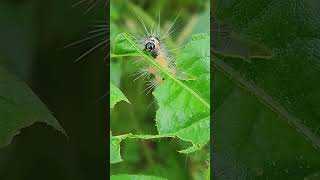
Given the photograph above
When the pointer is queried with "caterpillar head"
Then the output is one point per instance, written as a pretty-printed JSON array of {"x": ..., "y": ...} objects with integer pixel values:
[{"x": 152, "y": 45}]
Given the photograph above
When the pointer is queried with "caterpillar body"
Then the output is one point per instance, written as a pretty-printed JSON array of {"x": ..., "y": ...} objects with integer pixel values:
[{"x": 155, "y": 44}]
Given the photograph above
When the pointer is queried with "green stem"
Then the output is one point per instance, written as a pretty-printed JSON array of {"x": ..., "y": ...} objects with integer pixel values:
[
  {"x": 208, "y": 172},
  {"x": 123, "y": 55}
]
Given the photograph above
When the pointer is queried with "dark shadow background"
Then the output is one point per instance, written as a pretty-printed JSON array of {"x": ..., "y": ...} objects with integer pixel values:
[{"x": 31, "y": 35}]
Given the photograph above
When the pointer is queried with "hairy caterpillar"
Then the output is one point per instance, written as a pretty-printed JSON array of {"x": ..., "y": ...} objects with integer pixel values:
[{"x": 155, "y": 43}]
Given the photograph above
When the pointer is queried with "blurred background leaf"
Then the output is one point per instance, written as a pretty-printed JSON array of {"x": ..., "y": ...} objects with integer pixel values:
[
  {"x": 267, "y": 109},
  {"x": 20, "y": 108},
  {"x": 32, "y": 36}
]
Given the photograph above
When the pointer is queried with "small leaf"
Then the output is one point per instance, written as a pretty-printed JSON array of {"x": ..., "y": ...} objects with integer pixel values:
[
  {"x": 20, "y": 108},
  {"x": 116, "y": 95},
  {"x": 122, "y": 47},
  {"x": 115, "y": 149}
]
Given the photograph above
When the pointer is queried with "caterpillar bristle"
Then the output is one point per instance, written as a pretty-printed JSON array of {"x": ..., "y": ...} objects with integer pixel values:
[
  {"x": 104, "y": 29},
  {"x": 151, "y": 104},
  {"x": 101, "y": 30},
  {"x": 144, "y": 73},
  {"x": 151, "y": 84},
  {"x": 140, "y": 62},
  {"x": 172, "y": 23},
  {"x": 155, "y": 42},
  {"x": 91, "y": 4},
  {"x": 142, "y": 22},
  {"x": 100, "y": 44}
]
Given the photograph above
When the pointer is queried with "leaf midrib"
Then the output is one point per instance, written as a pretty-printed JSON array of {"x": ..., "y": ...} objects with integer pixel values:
[{"x": 268, "y": 102}]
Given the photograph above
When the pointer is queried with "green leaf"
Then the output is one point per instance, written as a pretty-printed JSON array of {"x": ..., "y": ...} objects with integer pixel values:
[
  {"x": 198, "y": 134},
  {"x": 184, "y": 105},
  {"x": 115, "y": 156},
  {"x": 20, "y": 108},
  {"x": 122, "y": 47},
  {"x": 271, "y": 129},
  {"x": 116, "y": 95},
  {"x": 134, "y": 177},
  {"x": 115, "y": 142},
  {"x": 184, "y": 109}
]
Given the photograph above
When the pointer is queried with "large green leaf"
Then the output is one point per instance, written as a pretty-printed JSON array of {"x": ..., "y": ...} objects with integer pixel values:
[
  {"x": 20, "y": 108},
  {"x": 134, "y": 177},
  {"x": 183, "y": 104},
  {"x": 278, "y": 136},
  {"x": 184, "y": 109}
]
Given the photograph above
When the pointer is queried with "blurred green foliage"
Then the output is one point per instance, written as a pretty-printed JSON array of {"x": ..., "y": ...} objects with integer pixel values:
[
  {"x": 152, "y": 157},
  {"x": 32, "y": 35}
]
